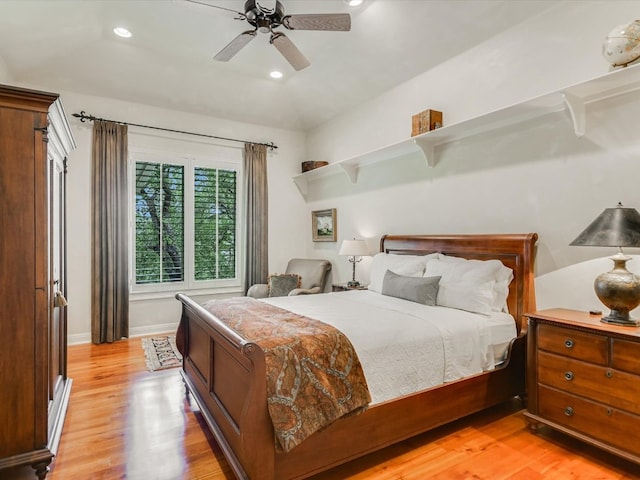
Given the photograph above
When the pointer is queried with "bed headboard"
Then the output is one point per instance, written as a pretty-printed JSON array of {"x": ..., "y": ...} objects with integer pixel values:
[{"x": 515, "y": 251}]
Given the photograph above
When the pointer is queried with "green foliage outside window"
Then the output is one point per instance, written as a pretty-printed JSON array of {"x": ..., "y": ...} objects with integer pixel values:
[
  {"x": 215, "y": 223},
  {"x": 160, "y": 220},
  {"x": 159, "y": 223}
]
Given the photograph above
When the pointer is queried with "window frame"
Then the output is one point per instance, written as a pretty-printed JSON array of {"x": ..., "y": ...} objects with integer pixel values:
[{"x": 212, "y": 159}]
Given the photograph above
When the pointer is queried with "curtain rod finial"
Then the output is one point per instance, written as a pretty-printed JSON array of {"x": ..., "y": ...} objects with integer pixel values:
[{"x": 82, "y": 116}]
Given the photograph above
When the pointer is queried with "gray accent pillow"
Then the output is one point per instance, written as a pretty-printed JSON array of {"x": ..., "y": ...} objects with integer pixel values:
[
  {"x": 415, "y": 289},
  {"x": 281, "y": 285}
]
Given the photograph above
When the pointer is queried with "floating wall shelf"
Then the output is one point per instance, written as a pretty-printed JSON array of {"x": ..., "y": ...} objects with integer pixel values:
[{"x": 573, "y": 99}]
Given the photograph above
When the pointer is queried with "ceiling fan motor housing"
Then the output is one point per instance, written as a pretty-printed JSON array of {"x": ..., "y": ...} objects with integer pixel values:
[{"x": 263, "y": 18}]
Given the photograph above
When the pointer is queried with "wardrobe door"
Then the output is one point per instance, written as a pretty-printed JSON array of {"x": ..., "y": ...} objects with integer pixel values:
[
  {"x": 60, "y": 142},
  {"x": 23, "y": 280},
  {"x": 57, "y": 293}
]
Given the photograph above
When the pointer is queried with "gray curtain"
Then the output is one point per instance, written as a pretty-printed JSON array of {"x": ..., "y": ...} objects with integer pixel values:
[
  {"x": 109, "y": 217},
  {"x": 257, "y": 228}
]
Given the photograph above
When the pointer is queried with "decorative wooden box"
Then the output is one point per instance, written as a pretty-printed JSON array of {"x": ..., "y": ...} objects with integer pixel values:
[
  {"x": 306, "y": 166},
  {"x": 425, "y": 121}
]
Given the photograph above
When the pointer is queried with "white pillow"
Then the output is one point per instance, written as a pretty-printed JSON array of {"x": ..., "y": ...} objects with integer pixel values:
[
  {"x": 503, "y": 277},
  {"x": 501, "y": 289},
  {"x": 466, "y": 284},
  {"x": 470, "y": 296},
  {"x": 406, "y": 265}
]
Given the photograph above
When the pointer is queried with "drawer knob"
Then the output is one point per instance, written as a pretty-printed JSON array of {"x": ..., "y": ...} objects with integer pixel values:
[
  {"x": 568, "y": 411},
  {"x": 568, "y": 376},
  {"x": 568, "y": 343},
  {"x": 609, "y": 374}
]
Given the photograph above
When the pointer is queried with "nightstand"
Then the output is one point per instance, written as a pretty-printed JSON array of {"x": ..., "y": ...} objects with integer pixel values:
[
  {"x": 584, "y": 379},
  {"x": 343, "y": 287}
]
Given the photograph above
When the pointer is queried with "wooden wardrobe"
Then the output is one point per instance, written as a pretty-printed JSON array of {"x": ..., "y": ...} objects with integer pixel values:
[{"x": 35, "y": 139}]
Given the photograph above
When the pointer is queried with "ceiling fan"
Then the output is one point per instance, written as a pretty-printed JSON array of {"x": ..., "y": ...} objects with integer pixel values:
[{"x": 266, "y": 15}]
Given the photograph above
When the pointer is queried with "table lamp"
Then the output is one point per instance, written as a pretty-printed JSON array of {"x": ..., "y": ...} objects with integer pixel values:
[
  {"x": 618, "y": 289},
  {"x": 355, "y": 249}
]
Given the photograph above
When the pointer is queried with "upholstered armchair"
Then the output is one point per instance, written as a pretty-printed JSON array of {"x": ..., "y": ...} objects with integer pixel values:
[{"x": 313, "y": 275}]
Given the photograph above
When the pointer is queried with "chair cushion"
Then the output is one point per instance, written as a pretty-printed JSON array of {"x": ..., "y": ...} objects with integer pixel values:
[
  {"x": 281, "y": 284},
  {"x": 312, "y": 272}
]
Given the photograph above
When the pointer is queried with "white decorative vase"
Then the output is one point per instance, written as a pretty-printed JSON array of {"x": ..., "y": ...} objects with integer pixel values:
[{"x": 622, "y": 45}]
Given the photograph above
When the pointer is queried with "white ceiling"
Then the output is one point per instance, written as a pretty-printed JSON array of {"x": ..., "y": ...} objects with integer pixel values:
[{"x": 69, "y": 45}]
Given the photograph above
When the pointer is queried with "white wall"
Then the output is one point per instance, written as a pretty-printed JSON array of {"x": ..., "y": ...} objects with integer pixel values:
[
  {"x": 536, "y": 177},
  {"x": 4, "y": 73},
  {"x": 286, "y": 210}
]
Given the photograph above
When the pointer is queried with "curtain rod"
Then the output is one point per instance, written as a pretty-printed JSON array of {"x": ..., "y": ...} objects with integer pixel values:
[{"x": 84, "y": 117}]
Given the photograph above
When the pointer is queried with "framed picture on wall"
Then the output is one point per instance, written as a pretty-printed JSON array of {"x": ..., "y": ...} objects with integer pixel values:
[{"x": 323, "y": 225}]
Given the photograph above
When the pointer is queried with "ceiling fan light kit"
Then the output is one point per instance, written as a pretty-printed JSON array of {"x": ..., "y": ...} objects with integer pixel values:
[{"x": 266, "y": 15}]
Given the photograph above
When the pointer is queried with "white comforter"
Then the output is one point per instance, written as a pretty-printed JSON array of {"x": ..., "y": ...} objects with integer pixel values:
[{"x": 405, "y": 347}]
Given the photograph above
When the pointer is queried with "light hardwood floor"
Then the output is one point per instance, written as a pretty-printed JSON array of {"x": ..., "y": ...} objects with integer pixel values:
[{"x": 127, "y": 423}]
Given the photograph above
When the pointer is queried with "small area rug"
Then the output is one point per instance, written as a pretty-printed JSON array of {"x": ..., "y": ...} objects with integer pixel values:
[{"x": 161, "y": 352}]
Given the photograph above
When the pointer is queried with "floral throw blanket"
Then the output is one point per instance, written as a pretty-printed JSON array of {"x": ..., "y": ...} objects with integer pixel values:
[{"x": 313, "y": 373}]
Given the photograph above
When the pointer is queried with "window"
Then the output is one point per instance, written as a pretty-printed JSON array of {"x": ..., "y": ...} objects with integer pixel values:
[
  {"x": 186, "y": 224},
  {"x": 159, "y": 223},
  {"x": 214, "y": 223}
]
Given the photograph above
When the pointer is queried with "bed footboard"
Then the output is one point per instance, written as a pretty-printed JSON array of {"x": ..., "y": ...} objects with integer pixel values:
[{"x": 226, "y": 376}]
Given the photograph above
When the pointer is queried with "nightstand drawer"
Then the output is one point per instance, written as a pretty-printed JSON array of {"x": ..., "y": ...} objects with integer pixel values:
[
  {"x": 604, "y": 423},
  {"x": 625, "y": 355},
  {"x": 573, "y": 343},
  {"x": 602, "y": 384}
]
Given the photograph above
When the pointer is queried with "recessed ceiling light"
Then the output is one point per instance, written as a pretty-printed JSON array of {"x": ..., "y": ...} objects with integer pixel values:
[
  {"x": 122, "y": 32},
  {"x": 353, "y": 3},
  {"x": 275, "y": 74}
]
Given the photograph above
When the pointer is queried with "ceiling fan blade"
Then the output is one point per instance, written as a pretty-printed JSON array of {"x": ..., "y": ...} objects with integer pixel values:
[
  {"x": 289, "y": 51},
  {"x": 235, "y": 46},
  {"x": 318, "y": 21}
]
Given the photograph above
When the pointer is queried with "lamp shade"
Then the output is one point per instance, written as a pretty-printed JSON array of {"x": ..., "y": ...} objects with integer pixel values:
[
  {"x": 618, "y": 289},
  {"x": 615, "y": 227},
  {"x": 354, "y": 248}
]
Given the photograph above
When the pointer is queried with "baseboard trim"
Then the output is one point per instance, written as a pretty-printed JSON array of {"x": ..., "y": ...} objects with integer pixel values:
[
  {"x": 153, "y": 329},
  {"x": 80, "y": 338}
]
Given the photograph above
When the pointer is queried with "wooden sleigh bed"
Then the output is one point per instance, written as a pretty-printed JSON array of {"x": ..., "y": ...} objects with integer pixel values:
[{"x": 225, "y": 375}]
